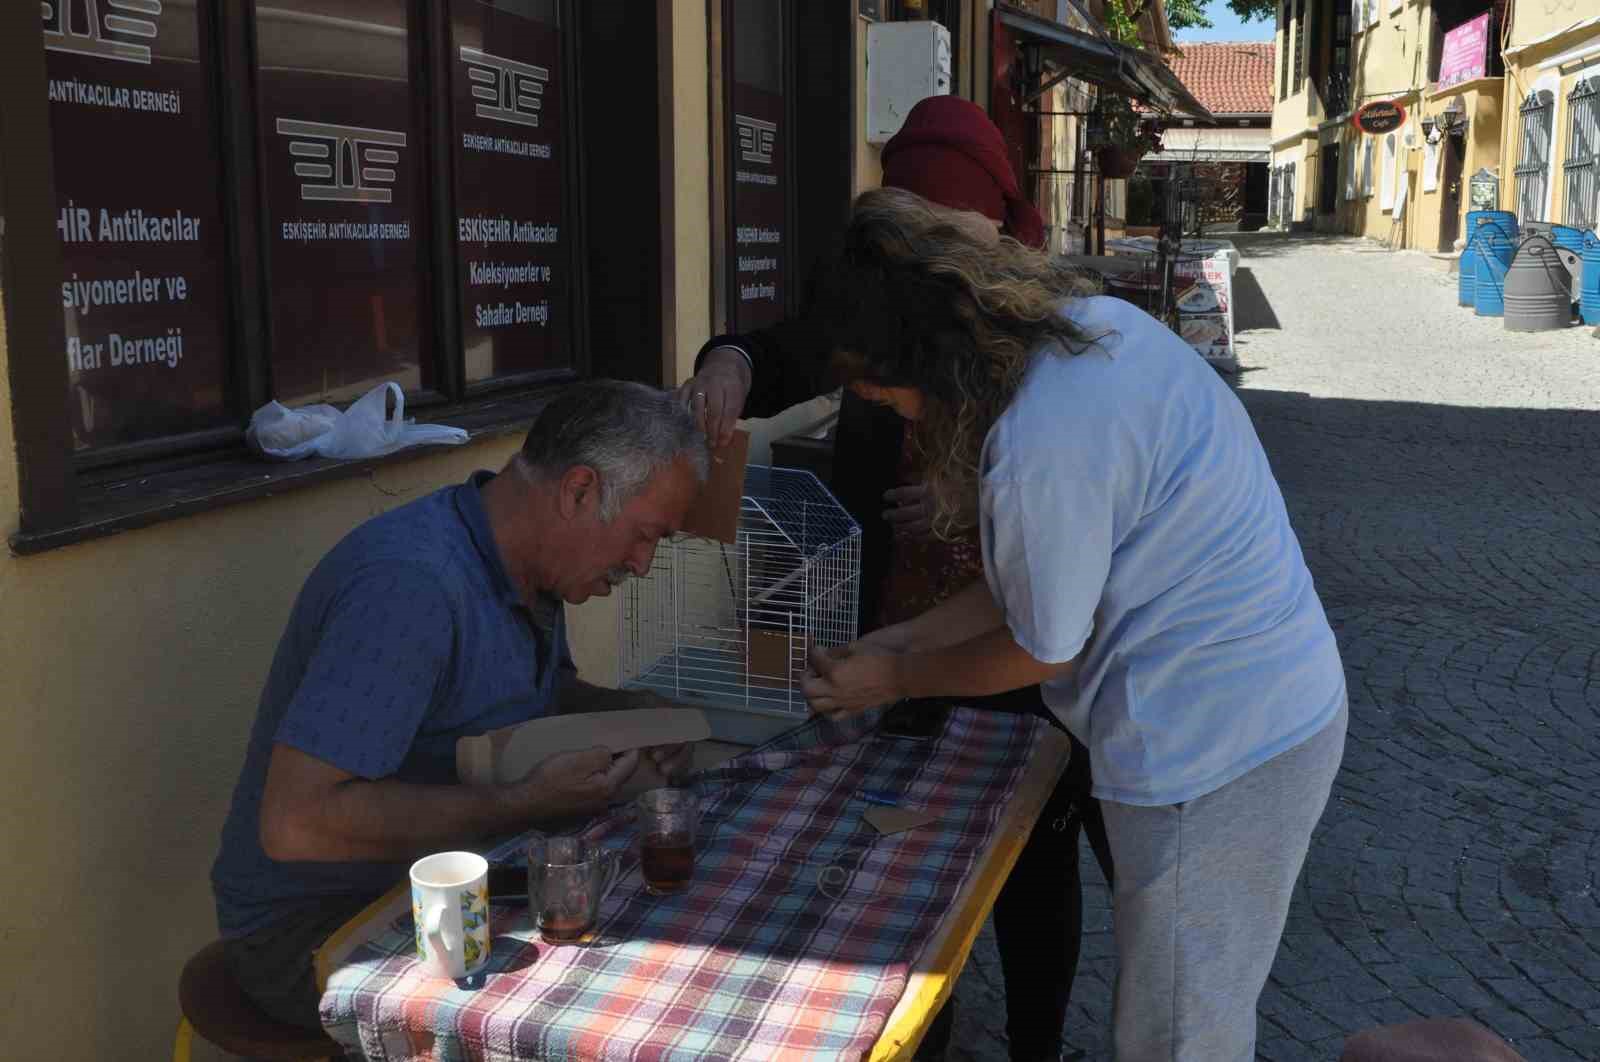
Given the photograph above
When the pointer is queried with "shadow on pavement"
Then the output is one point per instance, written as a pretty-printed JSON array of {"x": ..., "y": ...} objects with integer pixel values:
[{"x": 1251, "y": 308}]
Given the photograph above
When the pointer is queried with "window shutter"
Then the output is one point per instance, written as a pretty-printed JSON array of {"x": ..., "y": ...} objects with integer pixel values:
[{"x": 1391, "y": 160}]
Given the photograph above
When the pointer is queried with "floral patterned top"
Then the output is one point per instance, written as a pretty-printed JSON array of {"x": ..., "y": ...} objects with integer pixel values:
[{"x": 924, "y": 572}]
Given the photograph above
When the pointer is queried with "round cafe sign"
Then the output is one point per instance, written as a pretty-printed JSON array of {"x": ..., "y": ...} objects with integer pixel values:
[{"x": 1380, "y": 116}]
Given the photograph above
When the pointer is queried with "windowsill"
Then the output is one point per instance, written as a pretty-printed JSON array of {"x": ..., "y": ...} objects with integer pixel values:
[
  {"x": 1477, "y": 84},
  {"x": 142, "y": 499}
]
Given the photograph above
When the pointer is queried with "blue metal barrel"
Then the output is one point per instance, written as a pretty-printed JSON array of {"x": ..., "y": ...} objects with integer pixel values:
[
  {"x": 1589, "y": 301},
  {"x": 1500, "y": 225},
  {"x": 1488, "y": 292}
]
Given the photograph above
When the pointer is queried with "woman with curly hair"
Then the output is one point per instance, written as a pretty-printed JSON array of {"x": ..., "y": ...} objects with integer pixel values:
[{"x": 1139, "y": 565}]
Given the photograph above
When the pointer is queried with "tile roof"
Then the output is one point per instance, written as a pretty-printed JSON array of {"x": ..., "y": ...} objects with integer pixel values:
[{"x": 1229, "y": 78}]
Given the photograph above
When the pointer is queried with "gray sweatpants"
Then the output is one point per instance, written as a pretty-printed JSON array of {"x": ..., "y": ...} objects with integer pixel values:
[{"x": 1202, "y": 893}]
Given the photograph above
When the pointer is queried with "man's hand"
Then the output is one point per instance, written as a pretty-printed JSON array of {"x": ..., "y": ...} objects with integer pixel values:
[
  {"x": 573, "y": 783},
  {"x": 672, "y": 761},
  {"x": 910, "y": 511},
  {"x": 716, "y": 394},
  {"x": 852, "y": 678}
]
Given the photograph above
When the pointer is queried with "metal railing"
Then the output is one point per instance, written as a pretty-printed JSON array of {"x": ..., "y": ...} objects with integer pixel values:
[{"x": 1582, "y": 165}]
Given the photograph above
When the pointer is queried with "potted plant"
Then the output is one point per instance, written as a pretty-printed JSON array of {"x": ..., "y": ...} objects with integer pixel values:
[{"x": 1120, "y": 136}]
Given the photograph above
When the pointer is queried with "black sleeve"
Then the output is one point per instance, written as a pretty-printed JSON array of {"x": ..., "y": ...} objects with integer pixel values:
[{"x": 789, "y": 361}]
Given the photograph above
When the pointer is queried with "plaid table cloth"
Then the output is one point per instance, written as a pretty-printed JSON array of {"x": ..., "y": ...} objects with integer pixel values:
[{"x": 794, "y": 941}]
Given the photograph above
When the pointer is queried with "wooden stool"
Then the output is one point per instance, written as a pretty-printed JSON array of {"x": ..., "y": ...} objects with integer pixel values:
[
  {"x": 217, "y": 1008},
  {"x": 1429, "y": 1040}
]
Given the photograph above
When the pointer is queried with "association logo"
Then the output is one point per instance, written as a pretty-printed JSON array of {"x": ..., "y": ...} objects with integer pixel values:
[
  {"x": 756, "y": 138},
  {"x": 509, "y": 91},
  {"x": 353, "y": 164},
  {"x": 105, "y": 29}
]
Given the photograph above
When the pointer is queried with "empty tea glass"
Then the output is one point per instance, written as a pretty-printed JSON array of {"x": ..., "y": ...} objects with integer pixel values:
[{"x": 567, "y": 879}]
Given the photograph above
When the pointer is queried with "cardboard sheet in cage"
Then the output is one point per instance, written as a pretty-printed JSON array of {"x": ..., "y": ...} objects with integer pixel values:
[
  {"x": 508, "y": 754},
  {"x": 715, "y": 513}
]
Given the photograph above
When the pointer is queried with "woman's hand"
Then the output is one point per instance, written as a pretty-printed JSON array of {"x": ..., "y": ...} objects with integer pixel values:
[
  {"x": 910, "y": 511},
  {"x": 852, "y": 678},
  {"x": 716, "y": 394}
]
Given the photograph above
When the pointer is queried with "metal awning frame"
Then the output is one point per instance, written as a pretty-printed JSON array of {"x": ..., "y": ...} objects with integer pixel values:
[{"x": 1099, "y": 60}]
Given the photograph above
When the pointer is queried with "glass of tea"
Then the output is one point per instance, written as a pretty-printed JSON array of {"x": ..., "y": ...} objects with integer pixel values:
[{"x": 667, "y": 820}]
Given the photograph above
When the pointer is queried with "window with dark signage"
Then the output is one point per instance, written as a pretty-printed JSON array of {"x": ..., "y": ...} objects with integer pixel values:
[
  {"x": 342, "y": 173},
  {"x": 302, "y": 199},
  {"x": 758, "y": 160},
  {"x": 137, "y": 184},
  {"x": 509, "y": 154}
]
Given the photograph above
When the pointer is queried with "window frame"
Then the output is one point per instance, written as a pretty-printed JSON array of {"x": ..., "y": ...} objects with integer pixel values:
[
  {"x": 1533, "y": 183},
  {"x": 1390, "y": 163},
  {"x": 1583, "y": 106},
  {"x": 63, "y": 493},
  {"x": 1302, "y": 13}
]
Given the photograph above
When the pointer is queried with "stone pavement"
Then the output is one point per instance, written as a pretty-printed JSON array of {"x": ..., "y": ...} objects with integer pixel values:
[{"x": 1442, "y": 475}]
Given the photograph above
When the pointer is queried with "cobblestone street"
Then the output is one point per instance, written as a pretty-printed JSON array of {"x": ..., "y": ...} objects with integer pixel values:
[{"x": 1440, "y": 472}]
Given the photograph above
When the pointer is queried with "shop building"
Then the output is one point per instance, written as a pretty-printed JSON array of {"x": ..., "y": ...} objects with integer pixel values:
[
  {"x": 208, "y": 205},
  {"x": 1226, "y": 163},
  {"x": 1504, "y": 92},
  {"x": 1551, "y": 120}
]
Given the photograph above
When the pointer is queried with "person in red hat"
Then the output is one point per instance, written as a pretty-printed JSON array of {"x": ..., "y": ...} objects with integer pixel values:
[{"x": 950, "y": 153}]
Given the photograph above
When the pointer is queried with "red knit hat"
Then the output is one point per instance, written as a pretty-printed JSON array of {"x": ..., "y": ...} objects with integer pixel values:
[{"x": 950, "y": 153}]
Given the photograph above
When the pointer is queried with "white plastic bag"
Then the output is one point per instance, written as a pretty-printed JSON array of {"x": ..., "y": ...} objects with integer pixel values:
[{"x": 363, "y": 430}]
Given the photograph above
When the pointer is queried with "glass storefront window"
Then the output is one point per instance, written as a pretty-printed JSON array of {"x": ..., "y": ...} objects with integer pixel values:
[
  {"x": 138, "y": 192},
  {"x": 514, "y": 254},
  {"x": 342, "y": 171},
  {"x": 758, "y": 161}
]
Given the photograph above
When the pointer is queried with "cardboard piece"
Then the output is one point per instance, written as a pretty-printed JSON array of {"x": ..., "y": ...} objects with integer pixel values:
[
  {"x": 897, "y": 820},
  {"x": 505, "y": 755},
  {"x": 769, "y": 657},
  {"x": 715, "y": 513}
]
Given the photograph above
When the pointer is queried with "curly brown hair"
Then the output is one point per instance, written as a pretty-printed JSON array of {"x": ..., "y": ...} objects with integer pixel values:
[{"x": 918, "y": 298}]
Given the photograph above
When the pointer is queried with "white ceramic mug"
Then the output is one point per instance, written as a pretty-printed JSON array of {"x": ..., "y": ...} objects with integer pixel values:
[{"x": 450, "y": 906}]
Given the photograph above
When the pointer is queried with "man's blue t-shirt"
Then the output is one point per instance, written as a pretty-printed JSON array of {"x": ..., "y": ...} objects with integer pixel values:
[{"x": 408, "y": 635}]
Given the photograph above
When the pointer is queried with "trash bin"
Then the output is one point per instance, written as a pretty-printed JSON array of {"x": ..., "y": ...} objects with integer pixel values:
[{"x": 1538, "y": 288}]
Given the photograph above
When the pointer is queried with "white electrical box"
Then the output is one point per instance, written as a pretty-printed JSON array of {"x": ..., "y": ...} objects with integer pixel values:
[{"x": 906, "y": 63}]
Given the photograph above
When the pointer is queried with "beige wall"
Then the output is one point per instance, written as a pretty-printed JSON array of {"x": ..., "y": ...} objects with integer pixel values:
[
  {"x": 1480, "y": 102},
  {"x": 869, "y": 167},
  {"x": 1533, "y": 19}
]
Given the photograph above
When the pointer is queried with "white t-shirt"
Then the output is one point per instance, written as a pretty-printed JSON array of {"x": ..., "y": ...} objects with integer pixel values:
[{"x": 1130, "y": 520}]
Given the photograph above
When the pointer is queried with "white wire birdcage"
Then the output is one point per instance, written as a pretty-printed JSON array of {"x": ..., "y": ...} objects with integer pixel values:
[{"x": 727, "y": 627}]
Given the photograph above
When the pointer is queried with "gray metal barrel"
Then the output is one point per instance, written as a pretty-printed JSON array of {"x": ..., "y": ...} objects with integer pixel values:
[{"x": 1538, "y": 292}]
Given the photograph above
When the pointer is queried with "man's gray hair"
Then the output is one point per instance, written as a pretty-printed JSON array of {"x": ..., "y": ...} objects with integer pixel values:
[{"x": 626, "y": 432}]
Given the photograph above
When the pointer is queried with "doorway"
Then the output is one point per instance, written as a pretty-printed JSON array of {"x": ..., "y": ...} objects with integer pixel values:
[
  {"x": 1328, "y": 190},
  {"x": 1455, "y": 155}
]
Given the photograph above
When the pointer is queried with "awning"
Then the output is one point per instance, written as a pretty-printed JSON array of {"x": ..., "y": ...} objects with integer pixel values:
[
  {"x": 1220, "y": 155},
  {"x": 1101, "y": 61},
  {"x": 1221, "y": 144}
]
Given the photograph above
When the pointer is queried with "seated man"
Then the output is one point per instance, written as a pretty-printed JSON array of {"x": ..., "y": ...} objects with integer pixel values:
[{"x": 438, "y": 620}]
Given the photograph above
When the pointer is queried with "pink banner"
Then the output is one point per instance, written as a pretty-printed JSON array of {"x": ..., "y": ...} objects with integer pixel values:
[{"x": 1466, "y": 52}]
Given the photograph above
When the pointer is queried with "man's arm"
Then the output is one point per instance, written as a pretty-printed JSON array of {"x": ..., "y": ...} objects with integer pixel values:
[{"x": 314, "y": 811}]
